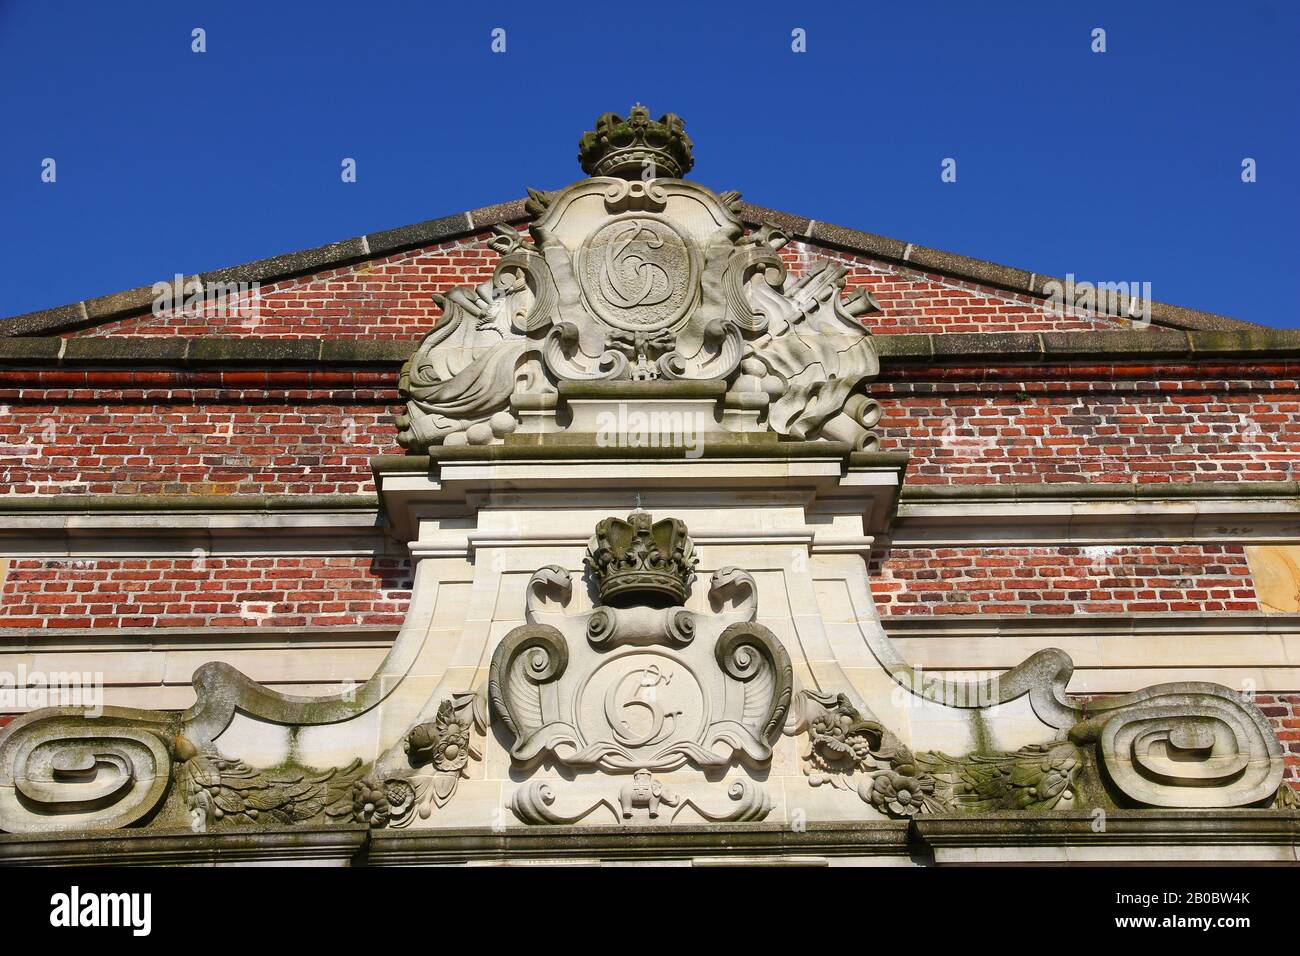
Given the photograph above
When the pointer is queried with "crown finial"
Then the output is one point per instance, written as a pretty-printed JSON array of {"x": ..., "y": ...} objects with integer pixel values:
[
  {"x": 632, "y": 147},
  {"x": 641, "y": 561}
]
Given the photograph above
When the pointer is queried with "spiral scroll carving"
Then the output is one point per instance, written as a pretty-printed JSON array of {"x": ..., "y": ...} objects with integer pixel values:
[
  {"x": 747, "y": 650},
  {"x": 1186, "y": 746},
  {"x": 62, "y": 770}
]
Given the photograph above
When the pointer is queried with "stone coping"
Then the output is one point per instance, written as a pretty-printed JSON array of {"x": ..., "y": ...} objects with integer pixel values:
[
  {"x": 154, "y": 504},
  {"x": 911, "y": 494},
  {"x": 779, "y": 450},
  {"x": 1100, "y": 491},
  {"x": 951, "y": 349},
  {"x": 448, "y": 228}
]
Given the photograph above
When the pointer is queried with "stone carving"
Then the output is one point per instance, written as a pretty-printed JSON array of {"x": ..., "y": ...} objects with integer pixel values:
[
  {"x": 640, "y": 686},
  {"x": 627, "y": 147},
  {"x": 444, "y": 747},
  {"x": 626, "y": 278},
  {"x": 63, "y": 770},
  {"x": 639, "y": 801},
  {"x": 1187, "y": 745},
  {"x": 638, "y": 273},
  {"x": 1286, "y": 798},
  {"x": 641, "y": 559},
  {"x": 644, "y": 791},
  {"x": 1184, "y": 745},
  {"x": 218, "y": 788},
  {"x": 847, "y": 751}
]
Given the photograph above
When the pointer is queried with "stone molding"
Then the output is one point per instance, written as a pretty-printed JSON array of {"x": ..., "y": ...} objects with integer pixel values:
[
  {"x": 952, "y": 348},
  {"x": 1131, "y": 836},
  {"x": 322, "y": 846}
]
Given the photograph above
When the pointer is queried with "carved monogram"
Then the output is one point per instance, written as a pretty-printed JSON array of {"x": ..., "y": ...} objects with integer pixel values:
[
  {"x": 638, "y": 273},
  {"x": 640, "y": 687}
]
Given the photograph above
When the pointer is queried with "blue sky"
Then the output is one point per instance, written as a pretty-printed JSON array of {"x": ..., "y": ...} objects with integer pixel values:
[{"x": 1118, "y": 166}]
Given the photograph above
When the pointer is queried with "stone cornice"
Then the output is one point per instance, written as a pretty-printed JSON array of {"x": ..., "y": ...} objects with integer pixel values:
[
  {"x": 1128, "y": 835},
  {"x": 1101, "y": 514},
  {"x": 1059, "y": 626},
  {"x": 1266, "y": 836},
  {"x": 963, "y": 349},
  {"x": 334, "y": 845},
  {"x": 1101, "y": 491}
]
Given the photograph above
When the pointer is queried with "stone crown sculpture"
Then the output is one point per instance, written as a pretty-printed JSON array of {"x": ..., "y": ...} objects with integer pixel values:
[
  {"x": 627, "y": 148},
  {"x": 641, "y": 561}
]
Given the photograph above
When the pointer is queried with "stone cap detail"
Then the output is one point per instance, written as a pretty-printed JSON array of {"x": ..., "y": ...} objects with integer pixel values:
[{"x": 952, "y": 348}]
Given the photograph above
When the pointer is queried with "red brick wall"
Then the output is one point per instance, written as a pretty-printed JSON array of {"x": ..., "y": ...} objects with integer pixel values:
[
  {"x": 198, "y": 592},
  {"x": 1283, "y": 712},
  {"x": 387, "y": 298},
  {"x": 310, "y": 431},
  {"x": 313, "y": 431},
  {"x": 194, "y": 441},
  {"x": 1056, "y": 580},
  {"x": 1100, "y": 423},
  {"x": 914, "y": 302},
  {"x": 391, "y": 298}
]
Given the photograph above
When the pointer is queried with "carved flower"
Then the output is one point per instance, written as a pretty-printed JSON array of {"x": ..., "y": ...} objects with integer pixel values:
[
  {"x": 895, "y": 794},
  {"x": 451, "y": 753},
  {"x": 399, "y": 793},
  {"x": 444, "y": 742},
  {"x": 840, "y": 741},
  {"x": 370, "y": 804},
  {"x": 401, "y": 797}
]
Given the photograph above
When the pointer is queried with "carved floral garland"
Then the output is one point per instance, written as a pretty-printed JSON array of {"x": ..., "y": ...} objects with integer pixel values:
[
  {"x": 848, "y": 751},
  {"x": 218, "y": 788}
]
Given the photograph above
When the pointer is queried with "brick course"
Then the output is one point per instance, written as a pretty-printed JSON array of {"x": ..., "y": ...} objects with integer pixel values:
[
  {"x": 1062, "y": 580},
  {"x": 194, "y": 442},
  {"x": 205, "y": 592},
  {"x": 1146, "y": 424}
]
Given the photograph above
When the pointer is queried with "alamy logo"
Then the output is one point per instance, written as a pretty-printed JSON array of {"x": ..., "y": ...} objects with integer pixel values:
[
  {"x": 31, "y": 690},
  {"x": 193, "y": 298},
  {"x": 630, "y": 428},
  {"x": 1131, "y": 300},
  {"x": 74, "y": 908}
]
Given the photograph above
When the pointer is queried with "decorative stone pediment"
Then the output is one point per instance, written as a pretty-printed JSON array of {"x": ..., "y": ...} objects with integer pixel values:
[
  {"x": 638, "y": 710},
  {"x": 564, "y": 662},
  {"x": 650, "y": 279}
]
